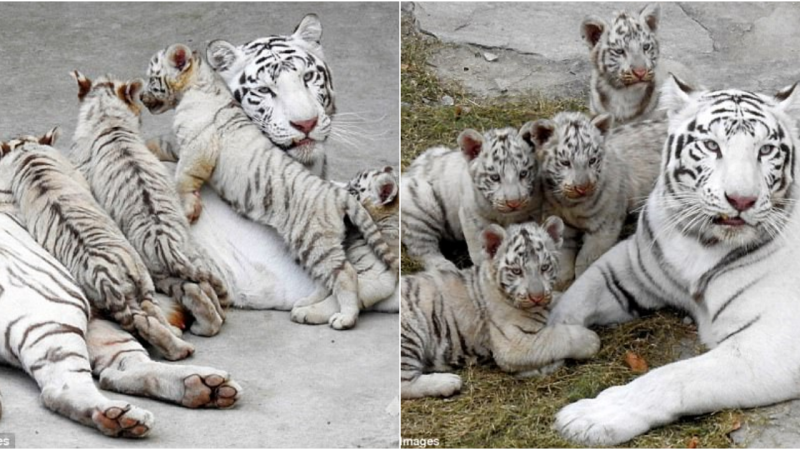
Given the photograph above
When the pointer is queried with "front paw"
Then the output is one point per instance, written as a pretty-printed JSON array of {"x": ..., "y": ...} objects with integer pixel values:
[
  {"x": 192, "y": 206},
  {"x": 603, "y": 421}
]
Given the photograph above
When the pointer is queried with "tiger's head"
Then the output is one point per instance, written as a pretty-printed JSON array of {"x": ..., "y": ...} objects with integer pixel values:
[
  {"x": 625, "y": 52},
  {"x": 283, "y": 84},
  {"x": 502, "y": 166},
  {"x": 169, "y": 73},
  {"x": 524, "y": 260},
  {"x": 48, "y": 139},
  {"x": 376, "y": 190},
  {"x": 728, "y": 163},
  {"x": 572, "y": 154},
  {"x": 109, "y": 98}
]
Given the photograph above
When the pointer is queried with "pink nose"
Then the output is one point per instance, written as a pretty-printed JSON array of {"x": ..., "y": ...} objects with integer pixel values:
[
  {"x": 513, "y": 204},
  {"x": 583, "y": 189},
  {"x": 640, "y": 72},
  {"x": 541, "y": 299},
  {"x": 741, "y": 203},
  {"x": 305, "y": 125}
]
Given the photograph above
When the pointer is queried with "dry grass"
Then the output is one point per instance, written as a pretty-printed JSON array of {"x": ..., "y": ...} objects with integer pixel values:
[{"x": 494, "y": 409}]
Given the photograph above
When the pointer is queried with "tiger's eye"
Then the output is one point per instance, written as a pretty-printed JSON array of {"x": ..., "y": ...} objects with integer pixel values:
[
  {"x": 495, "y": 178},
  {"x": 766, "y": 149},
  {"x": 516, "y": 271},
  {"x": 523, "y": 174},
  {"x": 566, "y": 163},
  {"x": 711, "y": 145},
  {"x": 308, "y": 76}
]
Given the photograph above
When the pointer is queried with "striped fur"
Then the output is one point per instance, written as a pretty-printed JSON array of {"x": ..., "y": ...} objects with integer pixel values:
[
  {"x": 717, "y": 238},
  {"x": 135, "y": 189},
  {"x": 58, "y": 209},
  {"x": 494, "y": 310},
  {"x": 220, "y": 144},
  {"x": 454, "y": 194},
  {"x": 377, "y": 191},
  {"x": 284, "y": 87},
  {"x": 592, "y": 178}
]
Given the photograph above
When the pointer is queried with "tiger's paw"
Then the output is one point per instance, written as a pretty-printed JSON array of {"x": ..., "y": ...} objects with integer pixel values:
[
  {"x": 341, "y": 321},
  {"x": 192, "y": 206},
  {"x": 306, "y": 315},
  {"x": 208, "y": 321},
  {"x": 604, "y": 421},
  {"x": 214, "y": 390},
  {"x": 123, "y": 420}
]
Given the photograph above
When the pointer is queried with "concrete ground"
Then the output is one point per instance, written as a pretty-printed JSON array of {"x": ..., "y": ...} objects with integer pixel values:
[
  {"x": 303, "y": 386},
  {"x": 755, "y": 46}
]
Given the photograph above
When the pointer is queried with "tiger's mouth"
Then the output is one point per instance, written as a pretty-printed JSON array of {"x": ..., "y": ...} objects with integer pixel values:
[{"x": 728, "y": 221}]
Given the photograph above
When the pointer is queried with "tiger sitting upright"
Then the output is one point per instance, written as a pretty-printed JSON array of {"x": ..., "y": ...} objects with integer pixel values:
[{"x": 218, "y": 142}]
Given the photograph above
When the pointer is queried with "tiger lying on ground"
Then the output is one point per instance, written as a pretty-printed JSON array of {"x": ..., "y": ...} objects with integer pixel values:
[
  {"x": 717, "y": 238},
  {"x": 219, "y": 143},
  {"x": 135, "y": 189},
  {"x": 496, "y": 310}
]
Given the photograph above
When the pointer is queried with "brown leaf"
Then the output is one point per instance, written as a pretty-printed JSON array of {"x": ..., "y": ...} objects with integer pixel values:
[
  {"x": 693, "y": 442},
  {"x": 636, "y": 363},
  {"x": 736, "y": 424},
  {"x": 403, "y": 67}
]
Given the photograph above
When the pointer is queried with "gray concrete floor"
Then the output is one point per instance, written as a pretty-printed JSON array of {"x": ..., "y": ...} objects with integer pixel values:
[
  {"x": 304, "y": 386},
  {"x": 750, "y": 45}
]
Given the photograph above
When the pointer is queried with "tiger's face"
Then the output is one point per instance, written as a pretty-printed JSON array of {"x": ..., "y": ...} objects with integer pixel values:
[
  {"x": 571, "y": 151},
  {"x": 524, "y": 260},
  {"x": 502, "y": 166},
  {"x": 283, "y": 85},
  {"x": 376, "y": 190},
  {"x": 728, "y": 171},
  {"x": 625, "y": 53},
  {"x": 168, "y": 74}
]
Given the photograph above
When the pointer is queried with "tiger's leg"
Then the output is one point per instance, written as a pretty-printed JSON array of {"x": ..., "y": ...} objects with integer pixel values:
[
  {"x": 516, "y": 351},
  {"x": 198, "y": 299},
  {"x": 566, "y": 258},
  {"x": 122, "y": 365},
  {"x": 56, "y": 356},
  {"x": 163, "y": 147},
  {"x": 317, "y": 313},
  {"x": 194, "y": 168},
  {"x": 423, "y": 225}
]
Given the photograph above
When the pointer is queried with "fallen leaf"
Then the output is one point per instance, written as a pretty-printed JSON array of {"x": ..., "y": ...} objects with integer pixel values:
[
  {"x": 736, "y": 424},
  {"x": 636, "y": 363},
  {"x": 693, "y": 442},
  {"x": 404, "y": 67}
]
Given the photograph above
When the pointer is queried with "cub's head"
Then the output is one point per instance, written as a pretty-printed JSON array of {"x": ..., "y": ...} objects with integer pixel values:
[
  {"x": 376, "y": 190},
  {"x": 728, "y": 172},
  {"x": 502, "y": 165},
  {"x": 170, "y": 71},
  {"x": 108, "y": 97},
  {"x": 48, "y": 140},
  {"x": 571, "y": 152},
  {"x": 283, "y": 84},
  {"x": 626, "y": 51},
  {"x": 524, "y": 260}
]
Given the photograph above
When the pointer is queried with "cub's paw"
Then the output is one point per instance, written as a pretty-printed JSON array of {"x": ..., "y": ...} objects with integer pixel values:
[
  {"x": 443, "y": 384},
  {"x": 340, "y": 321},
  {"x": 192, "y": 206},
  {"x": 214, "y": 390},
  {"x": 123, "y": 420},
  {"x": 309, "y": 316},
  {"x": 603, "y": 421}
]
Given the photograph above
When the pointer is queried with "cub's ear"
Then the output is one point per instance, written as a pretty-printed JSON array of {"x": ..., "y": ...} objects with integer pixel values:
[
  {"x": 675, "y": 95},
  {"x": 179, "y": 56},
  {"x": 526, "y": 134},
  {"x": 491, "y": 238},
  {"x": 50, "y": 137},
  {"x": 84, "y": 84},
  {"x": 649, "y": 15},
  {"x": 470, "y": 142},
  {"x": 309, "y": 29},
  {"x": 542, "y": 132},
  {"x": 222, "y": 55},
  {"x": 4, "y": 149},
  {"x": 386, "y": 188},
  {"x": 603, "y": 122},
  {"x": 129, "y": 92},
  {"x": 592, "y": 30},
  {"x": 788, "y": 99},
  {"x": 554, "y": 227}
]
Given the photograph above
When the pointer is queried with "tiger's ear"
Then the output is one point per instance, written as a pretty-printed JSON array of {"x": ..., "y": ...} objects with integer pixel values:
[
  {"x": 554, "y": 227},
  {"x": 309, "y": 29},
  {"x": 470, "y": 142},
  {"x": 129, "y": 92},
  {"x": 386, "y": 188},
  {"x": 592, "y": 29},
  {"x": 4, "y": 149},
  {"x": 542, "y": 131},
  {"x": 788, "y": 99},
  {"x": 84, "y": 84},
  {"x": 179, "y": 56},
  {"x": 526, "y": 134},
  {"x": 603, "y": 122},
  {"x": 649, "y": 15},
  {"x": 491, "y": 238},
  {"x": 222, "y": 55},
  {"x": 675, "y": 95},
  {"x": 50, "y": 137}
]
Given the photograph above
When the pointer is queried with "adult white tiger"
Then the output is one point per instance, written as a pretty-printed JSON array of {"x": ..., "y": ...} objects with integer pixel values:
[{"x": 716, "y": 238}]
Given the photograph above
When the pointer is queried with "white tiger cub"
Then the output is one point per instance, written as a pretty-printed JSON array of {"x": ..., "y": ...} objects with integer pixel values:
[
  {"x": 454, "y": 194},
  {"x": 593, "y": 178},
  {"x": 717, "y": 238},
  {"x": 56, "y": 206},
  {"x": 626, "y": 71},
  {"x": 218, "y": 143},
  {"x": 497, "y": 310},
  {"x": 135, "y": 189},
  {"x": 377, "y": 191},
  {"x": 285, "y": 87}
]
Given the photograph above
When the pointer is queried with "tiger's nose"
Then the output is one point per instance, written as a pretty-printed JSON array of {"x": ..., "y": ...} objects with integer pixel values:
[
  {"x": 304, "y": 125},
  {"x": 539, "y": 299},
  {"x": 640, "y": 72},
  {"x": 513, "y": 204},
  {"x": 583, "y": 189},
  {"x": 741, "y": 203}
]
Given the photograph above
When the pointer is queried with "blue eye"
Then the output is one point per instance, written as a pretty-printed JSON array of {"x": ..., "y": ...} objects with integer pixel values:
[
  {"x": 265, "y": 91},
  {"x": 308, "y": 76},
  {"x": 766, "y": 150},
  {"x": 495, "y": 178},
  {"x": 711, "y": 145},
  {"x": 516, "y": 271}
]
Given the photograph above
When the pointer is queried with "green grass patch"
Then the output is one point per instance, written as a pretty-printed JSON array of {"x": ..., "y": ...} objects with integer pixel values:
[{"x": 495, "y": 409}]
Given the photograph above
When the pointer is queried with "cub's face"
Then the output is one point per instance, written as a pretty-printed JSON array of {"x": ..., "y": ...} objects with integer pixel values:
[
  {"x": 283, "y": 84},
  {"x": 524, "y": 260},
  {"x": 729, "y": 162},
  {"x": 376, "y": 190},
  {"x": 168, "y": 74}
]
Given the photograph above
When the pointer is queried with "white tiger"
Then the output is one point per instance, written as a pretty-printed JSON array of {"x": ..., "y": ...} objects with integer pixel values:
[
  {"x": 218, "y": 142},
  {"x": 495, "y": 310},
  {"x": 717, "y": 238},
  {"x": 593, "y": 177},
  {"x": 454, "y": 194}
]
